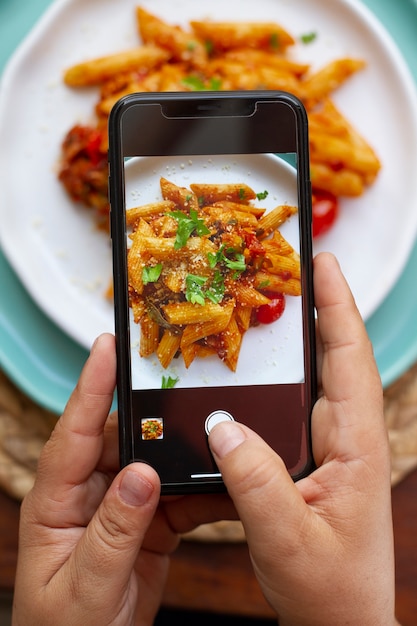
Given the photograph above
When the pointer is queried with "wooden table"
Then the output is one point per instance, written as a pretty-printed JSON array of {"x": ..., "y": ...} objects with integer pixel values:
[{"x": 219, "y": 578}]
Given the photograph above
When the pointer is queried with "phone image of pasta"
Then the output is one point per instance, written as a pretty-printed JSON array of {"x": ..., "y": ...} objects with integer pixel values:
[{"x": 217, "y": 321}]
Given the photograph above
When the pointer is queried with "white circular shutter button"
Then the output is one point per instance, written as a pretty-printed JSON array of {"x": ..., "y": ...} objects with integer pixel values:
[{"x": 215, "y": 418}]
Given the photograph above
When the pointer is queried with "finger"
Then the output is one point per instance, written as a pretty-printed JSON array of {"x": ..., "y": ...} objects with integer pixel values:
[
  {"x": 104, "y": 558},
  {"x": 341, "y": 329},
  {"x": 74, "y": 448},
  {"x": 76, "y": 442},
  {"x": 263, "y": 493},
  {"x": 350, "y": 409}
]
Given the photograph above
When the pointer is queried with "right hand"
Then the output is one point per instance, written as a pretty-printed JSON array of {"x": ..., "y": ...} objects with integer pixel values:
[{"x": 322, "y": 548}]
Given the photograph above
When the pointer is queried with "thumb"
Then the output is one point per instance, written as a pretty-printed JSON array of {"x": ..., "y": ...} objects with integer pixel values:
[
  {"x": 269, "y": 504},
  {"x": 105, "y": 556}
]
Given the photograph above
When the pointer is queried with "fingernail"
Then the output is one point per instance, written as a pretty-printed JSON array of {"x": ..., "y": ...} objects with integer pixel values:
[
  {"x": 93, "y": 347},
  {"x": 225, "y": 437},
  {"x": 134, "y": 489}
]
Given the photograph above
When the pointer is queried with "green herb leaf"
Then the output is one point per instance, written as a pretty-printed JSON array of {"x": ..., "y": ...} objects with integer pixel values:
[
  {"x": 215, "y": 84},
  {"x": 213, "y": 259},
  {"x": 169, "y": 382},
  {"x": 194, "y": 292},
  {"x": 308, "y": 37},
  {"x": 274, "y": 41},
  {"x": 238, "y": 264},
  {"x": 262, "y": 195},
  {"x": 187, "y": 225},
  {"x": 151, "y": 274},
  {"x": 195, "y": 83},
  {"x": 216, "y": 290},
  {"x": 209, "y": 46}
]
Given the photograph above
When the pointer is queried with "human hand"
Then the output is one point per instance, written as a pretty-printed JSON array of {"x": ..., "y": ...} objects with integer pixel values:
[
  {"x": 94, "y": 544},
  {"x": 322, "y": 548}
]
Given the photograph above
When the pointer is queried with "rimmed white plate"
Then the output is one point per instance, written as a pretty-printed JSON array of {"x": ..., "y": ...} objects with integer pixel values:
[{"x": 52, "y": 244}]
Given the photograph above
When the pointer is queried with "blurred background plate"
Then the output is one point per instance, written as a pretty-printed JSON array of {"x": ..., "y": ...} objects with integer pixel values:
[{"x": 46, "y": 363}]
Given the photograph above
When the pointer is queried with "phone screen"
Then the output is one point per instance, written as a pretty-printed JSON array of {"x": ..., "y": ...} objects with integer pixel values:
[{"x": 218, "y": 313}]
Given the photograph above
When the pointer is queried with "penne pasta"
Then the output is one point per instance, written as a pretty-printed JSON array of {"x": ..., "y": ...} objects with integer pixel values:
[
  {"x": 221, "y": 213},
  {"x": 231, "y": 340},
  {"x": 285, "y": 266},
  {"x": 181, "y": 196},
  {"x": 149, "y": 336},
  {"x": 148, "y": 210},
  {"x": 247, "y": 294},
  {"x": 228, "y": 35},
  {"x": 243, "y": 315},
  {"x": 278, "y": 245},
  {"x": 189, "y": 352},
  {"x": 188, "y": 313},
  {"x": 252, "y": 57},
  {"x": 168, "y": 347},
  {"x": 181, "y": 45},
  {"x": 273, "y": 220},
  {"x": 195, "y": 332},
  {"x": 97, "y": 71},
  {"x": 338, "y": 182},
  {"x": 210, "y": 194},
  {"x": 321, "y": 84},
  {"x": 242, "y": 208},
  {"x": 277, "y": 284}
]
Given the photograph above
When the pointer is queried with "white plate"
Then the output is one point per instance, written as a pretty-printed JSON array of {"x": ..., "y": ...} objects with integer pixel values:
[
  {"x": 51, "y": 243},
  {"x": 270, "y": 353}
]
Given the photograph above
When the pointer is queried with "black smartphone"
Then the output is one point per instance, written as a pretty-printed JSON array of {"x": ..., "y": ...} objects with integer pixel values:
[{"x": 212, "y": 253}]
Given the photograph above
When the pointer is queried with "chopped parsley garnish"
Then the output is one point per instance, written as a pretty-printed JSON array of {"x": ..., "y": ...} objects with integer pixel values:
[
  {"x": 274, "y": 41},
  {"x": 216, "y": 290},
  {"x": 195, "y": 83},
  {"x": 196, "y": 293},
  {"x": 308, "y": 37},
  {"x": 241, "y": 193},
  {"x": 168, "y": 382},
  {"x": 237, "y": 262},
  {"x": 262, "y": 195},
  {"x": 209, "y": 46},
  {"x": 187, "y": 225},
  {"x": 151, "y": 274}
]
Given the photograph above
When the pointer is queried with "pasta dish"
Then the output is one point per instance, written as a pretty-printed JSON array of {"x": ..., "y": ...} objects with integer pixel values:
[
  {"x": 204, "y": 265},
  {"x": 220, "y": 56}
]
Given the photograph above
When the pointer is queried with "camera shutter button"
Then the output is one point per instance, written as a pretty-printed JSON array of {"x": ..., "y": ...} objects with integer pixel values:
[{"x": 215, "y": 418}]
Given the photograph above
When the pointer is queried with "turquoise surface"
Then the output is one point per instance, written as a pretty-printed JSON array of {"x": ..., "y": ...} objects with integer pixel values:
[{"x": 45, "y": 363}]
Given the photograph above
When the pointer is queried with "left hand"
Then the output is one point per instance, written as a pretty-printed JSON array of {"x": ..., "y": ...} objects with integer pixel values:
[{"x": 94, "y": 544}]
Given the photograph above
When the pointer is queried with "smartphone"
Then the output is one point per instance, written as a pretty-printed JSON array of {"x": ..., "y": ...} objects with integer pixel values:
[{"x": 212, "y": 253}]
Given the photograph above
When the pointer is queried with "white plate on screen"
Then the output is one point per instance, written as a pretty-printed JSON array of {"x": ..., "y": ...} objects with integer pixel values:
[
  {"x": 52, "y": 244},
  {"x": 269, "y": 353}
]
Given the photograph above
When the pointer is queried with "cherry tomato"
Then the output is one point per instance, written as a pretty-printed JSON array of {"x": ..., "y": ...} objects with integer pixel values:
[
  {"x": 325, "y": 211},
  {"x": 271, "y": 312}
]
